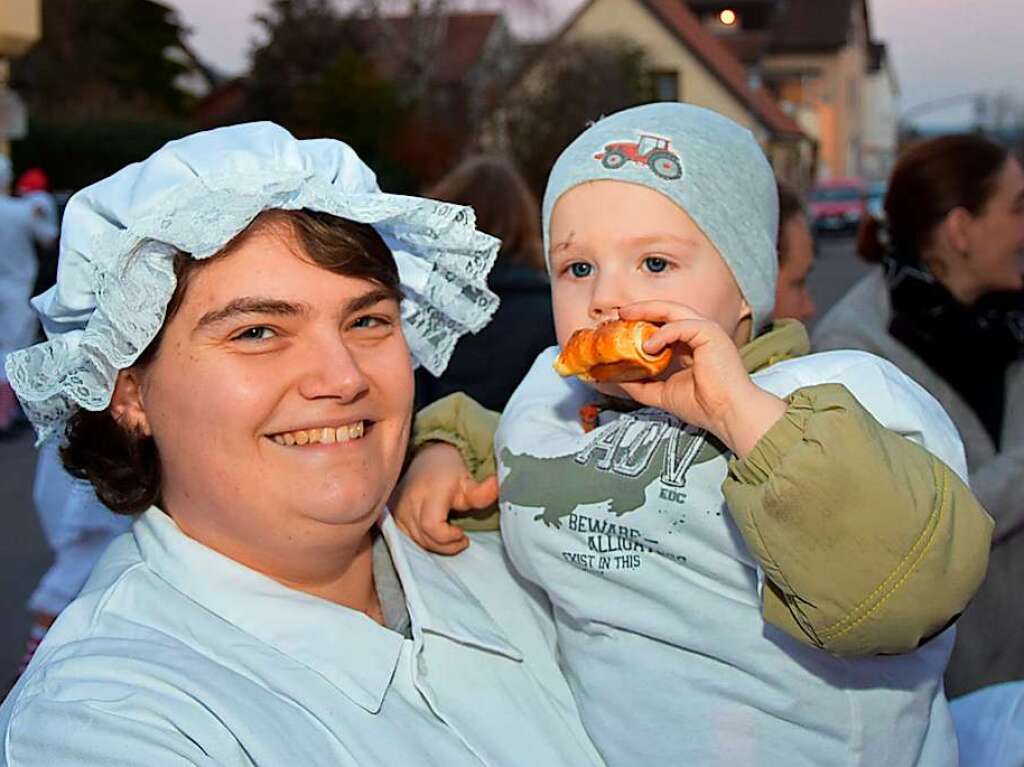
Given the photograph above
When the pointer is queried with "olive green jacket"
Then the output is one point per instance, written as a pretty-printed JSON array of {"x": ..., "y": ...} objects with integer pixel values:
[{"x": 869, "y": 543}]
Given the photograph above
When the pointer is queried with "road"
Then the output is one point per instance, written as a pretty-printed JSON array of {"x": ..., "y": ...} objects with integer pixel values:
[{"x": 24, "y": 556}]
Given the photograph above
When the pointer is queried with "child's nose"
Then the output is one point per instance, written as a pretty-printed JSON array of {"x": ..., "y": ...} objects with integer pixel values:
[{"x": 606, "y": 299}]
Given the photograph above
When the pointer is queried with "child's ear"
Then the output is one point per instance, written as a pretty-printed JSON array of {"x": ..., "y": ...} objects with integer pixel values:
[
  {"x": 126, "y": 405},
  {"x": 744, "y": 324},
  {"x": 746, "y": 312}
]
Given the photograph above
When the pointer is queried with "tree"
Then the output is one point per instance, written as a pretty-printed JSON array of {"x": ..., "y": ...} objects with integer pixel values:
[
  {"x": 104, "y": 58},
  {"x": 567, "y": 87},
  {"x": 310, "y": 76}
]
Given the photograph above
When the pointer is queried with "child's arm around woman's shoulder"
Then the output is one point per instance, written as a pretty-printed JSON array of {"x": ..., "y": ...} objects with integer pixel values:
[{"x": 856, "y": 507}]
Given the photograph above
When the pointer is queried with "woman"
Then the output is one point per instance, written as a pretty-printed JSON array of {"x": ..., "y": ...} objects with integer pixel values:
[
  {"x": 796, "y": 259},
  {"x": 946, "y": 305},
  {"x": 487, "y": 366},
  {"x": 230, "y": 356}
]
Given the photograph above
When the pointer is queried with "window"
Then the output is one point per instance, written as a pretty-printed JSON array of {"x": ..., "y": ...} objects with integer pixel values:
[{"x": 665, "y": 85}]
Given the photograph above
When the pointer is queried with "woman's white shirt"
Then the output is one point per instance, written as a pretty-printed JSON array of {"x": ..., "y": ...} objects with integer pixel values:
[{"x": 175, "y": 654}]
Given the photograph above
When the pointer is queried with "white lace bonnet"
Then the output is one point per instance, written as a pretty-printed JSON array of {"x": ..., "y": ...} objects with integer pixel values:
[{"x": 116, "y": 276}]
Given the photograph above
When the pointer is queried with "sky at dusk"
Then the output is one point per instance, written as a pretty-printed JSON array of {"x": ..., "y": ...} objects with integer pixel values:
[{"x": 940, "y": 48}]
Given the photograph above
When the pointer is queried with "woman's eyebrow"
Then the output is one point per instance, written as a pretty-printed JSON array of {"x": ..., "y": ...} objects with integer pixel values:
[
  {"x": 371, "y": 298},
  {"x": 250, "y": 305}
]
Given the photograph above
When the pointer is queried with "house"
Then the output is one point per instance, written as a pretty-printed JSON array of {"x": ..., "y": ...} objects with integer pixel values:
[
  {"x": 689, "y": 63},
  {"x": 460, "y": 61},
  {"x": 20, "y": 28},
  {"x": 820, "y": 60},
  {"x": 881, "y": 117}
]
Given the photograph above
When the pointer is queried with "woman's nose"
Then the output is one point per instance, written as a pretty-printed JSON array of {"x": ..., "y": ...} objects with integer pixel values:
[{"x": 333, "y": 371}]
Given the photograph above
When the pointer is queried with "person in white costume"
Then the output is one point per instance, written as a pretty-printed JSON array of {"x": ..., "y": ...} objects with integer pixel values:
[
  {"x": 24, "y": 223},
  {"x": 230, "y": 356}
]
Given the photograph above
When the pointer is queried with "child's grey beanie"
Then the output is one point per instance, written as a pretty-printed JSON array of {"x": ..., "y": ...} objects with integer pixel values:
[{"x": 708, "y": 165}]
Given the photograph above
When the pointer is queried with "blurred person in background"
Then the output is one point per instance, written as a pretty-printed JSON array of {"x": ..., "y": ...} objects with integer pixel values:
[
  {"x": 78, "y": 528},
  {"x": 489, "y": 365},
  {"x": 946, "y": 305},
  {"x": 34, "y": 185},
  {"x": 796, "y": 258},
  {"x": 24, "y": 224}
]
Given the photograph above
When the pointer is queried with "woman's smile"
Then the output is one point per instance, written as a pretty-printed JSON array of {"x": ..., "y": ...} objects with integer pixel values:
[{"x": 323, "y": 435}]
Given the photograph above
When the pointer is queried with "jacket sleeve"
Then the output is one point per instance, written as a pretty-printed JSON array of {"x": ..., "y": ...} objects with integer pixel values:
[
  {"x": 998, "y": 483},
  {"x": 460, "y": 421},
  {"x": 870, "y": 544}
]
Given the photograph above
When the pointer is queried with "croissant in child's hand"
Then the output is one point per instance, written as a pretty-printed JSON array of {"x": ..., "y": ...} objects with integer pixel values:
[{"x": 613, "y": 352}]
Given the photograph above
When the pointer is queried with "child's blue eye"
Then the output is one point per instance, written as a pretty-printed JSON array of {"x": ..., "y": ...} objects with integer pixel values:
[
  {"x": 255, "y": 333},
  {"x": 655, "y": 264},
  {"x": 580, "y": 269}
]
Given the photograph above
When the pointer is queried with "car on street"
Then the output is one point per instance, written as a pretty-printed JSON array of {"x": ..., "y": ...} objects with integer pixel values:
[{"x": 838, "y": 205}]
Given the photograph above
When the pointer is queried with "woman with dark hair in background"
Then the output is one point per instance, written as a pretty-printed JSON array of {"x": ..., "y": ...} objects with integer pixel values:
[
  {"x": 947, "y": 306},
  {"x": 489, "y": 365}
]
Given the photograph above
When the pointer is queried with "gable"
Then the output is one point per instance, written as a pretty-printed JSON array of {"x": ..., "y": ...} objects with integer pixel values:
[{"x": 634, "y": 21}]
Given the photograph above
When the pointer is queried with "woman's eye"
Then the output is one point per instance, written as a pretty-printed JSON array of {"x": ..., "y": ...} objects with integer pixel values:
[
  {"x": 579, "y": 269},
  {"x": 371, "y": 321},
  {"x": 655, "y": 264},
  {"x": 257, "y": 333}
]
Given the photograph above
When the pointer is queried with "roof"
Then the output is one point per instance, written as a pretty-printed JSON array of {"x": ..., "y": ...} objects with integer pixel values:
[
  {"x": 798, "y": 25},
  {"x": 722, "y": 63},
  {"x": 464, "y": 42},
  {"x": 814, "y": 25}
]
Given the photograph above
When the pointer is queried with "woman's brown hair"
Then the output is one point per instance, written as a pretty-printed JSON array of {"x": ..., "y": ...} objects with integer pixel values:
[
  {"x": 124, "y": 466},
  {"x": 931, "y": 178},
  {"x": 505, "y": 207}
]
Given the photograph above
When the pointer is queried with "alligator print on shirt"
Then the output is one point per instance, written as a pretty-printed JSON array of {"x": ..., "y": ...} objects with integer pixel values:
[{"x": 615, "y": 467}]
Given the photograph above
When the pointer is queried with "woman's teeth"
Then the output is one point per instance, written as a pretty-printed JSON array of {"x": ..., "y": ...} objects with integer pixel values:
[{"x": 327, "y": 435}]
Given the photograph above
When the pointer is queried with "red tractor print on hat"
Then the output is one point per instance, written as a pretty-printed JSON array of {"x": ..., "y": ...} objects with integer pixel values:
[{"x": 653, "y": 151}]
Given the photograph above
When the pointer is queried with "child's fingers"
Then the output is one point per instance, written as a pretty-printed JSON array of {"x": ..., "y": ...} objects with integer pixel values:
[
  {"x": 445, "y": 538},
  {"x": 679, "y": 332},
  {"x": 659, "y": 311},
  {"x": 478, "y": 495},
  {"x": 449, "y": 549}
]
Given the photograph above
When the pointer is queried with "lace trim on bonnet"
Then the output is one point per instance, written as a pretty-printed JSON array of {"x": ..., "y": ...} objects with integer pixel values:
[{"x": 443, "y": 263}]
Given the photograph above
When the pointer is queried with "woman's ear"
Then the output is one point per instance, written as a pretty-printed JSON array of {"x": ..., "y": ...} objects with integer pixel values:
[
  {"x": 957, "y": 229},
  {"x": 126, "y": 405}
]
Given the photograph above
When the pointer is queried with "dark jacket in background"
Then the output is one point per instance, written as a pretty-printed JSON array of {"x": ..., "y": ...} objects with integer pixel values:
[
  {"x": 990, "y": 638},
  {"x": 488, "y": 366}
]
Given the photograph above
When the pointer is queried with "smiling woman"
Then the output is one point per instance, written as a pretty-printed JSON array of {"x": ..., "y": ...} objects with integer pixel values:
[
  {"x": 230, "y": 359},
  {"x": 122, "y": 464}
]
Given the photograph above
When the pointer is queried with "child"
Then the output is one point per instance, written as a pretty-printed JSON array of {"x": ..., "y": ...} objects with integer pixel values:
[{"x": 719, "y": 538}]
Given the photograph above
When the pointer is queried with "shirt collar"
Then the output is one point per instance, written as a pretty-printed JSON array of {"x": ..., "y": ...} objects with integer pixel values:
[
  {"x": 346, "y": 647},
  {"x": 439, "y": 601}
]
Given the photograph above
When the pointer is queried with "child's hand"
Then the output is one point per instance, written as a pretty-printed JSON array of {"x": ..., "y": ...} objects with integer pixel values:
[
  {"x": 707, "y": 384},
  {"x": 435, "y": 483}
]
